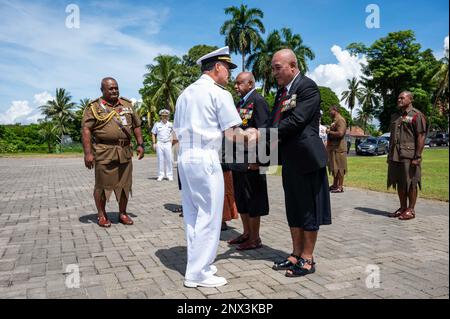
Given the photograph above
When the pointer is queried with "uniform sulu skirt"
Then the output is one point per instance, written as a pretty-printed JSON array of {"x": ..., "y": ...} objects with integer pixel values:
[{"x": 307, "y": 198}]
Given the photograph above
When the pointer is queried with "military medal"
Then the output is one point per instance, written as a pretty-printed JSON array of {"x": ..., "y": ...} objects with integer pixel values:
[{"x": 289, "y": 103}]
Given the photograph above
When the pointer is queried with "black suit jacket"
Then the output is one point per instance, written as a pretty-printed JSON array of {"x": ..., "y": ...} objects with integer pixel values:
[
  {"x": 259, "y": 119},
  {"x": 298, "y": 129}
]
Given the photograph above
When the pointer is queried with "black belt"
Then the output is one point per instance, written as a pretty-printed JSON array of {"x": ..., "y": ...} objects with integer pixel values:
[{"x": 118, "y": 142}]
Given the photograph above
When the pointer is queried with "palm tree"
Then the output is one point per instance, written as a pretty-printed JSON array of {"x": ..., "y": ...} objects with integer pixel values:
[
  {"x": 242, "y": 31},
  {"x": 48, "y": 133},
  {"x": 295, "y": 43},
  {"x": 163, "y": 82},
  {"x": 441, "y": 79},
  {"x": 260, "y": 60},
  {"x": 352, "y": 95},
  {"x": 59, "y": 111},
  {"x": 369, "y": 102},
  {"x": 146, "y": 109}
]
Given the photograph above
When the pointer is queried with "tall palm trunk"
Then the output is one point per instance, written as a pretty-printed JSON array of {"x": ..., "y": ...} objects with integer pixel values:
[{"x": 243, "y": 62}]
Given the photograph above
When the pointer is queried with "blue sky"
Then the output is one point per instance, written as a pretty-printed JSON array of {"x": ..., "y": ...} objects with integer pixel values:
[{"x": 38, "y": 53}]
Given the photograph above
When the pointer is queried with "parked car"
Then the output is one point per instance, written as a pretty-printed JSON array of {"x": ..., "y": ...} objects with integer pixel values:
[
  {"x": 372, "y": 146},
  {"x": 437, "y": 139},
  {"x": 386, "y": 137}
]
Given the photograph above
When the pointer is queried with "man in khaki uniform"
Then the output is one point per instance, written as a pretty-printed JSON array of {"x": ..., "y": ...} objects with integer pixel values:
[
  {"x": 110, "y": 120},
  {"x": 408, "y": 130},
  {"x": 337, "y": 150}
]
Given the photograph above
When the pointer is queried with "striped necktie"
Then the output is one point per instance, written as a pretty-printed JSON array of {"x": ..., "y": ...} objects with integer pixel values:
[{"x": 277, "y": 116}]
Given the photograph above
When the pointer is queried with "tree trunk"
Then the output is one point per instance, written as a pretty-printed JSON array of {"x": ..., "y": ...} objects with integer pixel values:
[
  {"x": 60, "y": 143},
  {"x": 243, "y": 62}
]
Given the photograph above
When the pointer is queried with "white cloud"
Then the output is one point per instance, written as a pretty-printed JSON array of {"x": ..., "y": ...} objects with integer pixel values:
[
  {"x": 335, "y": 76},
  {"x": 41, "y": 54},
  {"x": 446, "y": 46},
  {"x": 22, "y": 112},
  {"x": 18, "y": 110},
  {"x": 42, "y": 98}
]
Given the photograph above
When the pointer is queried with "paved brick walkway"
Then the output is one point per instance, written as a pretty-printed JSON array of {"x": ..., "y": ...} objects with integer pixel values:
[{"x": 47, "y": 222}]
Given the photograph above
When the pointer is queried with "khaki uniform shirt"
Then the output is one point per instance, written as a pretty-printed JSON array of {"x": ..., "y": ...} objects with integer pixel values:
[
  {"x": 338, "y": 144},
  {"x": 106, "y": 133},
  {"x": 405, "y": 127}
]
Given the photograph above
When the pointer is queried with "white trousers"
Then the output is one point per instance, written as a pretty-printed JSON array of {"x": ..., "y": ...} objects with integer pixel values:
[
  {"x": 165, "y": 159},
  {"x": 202, "y": 189}
]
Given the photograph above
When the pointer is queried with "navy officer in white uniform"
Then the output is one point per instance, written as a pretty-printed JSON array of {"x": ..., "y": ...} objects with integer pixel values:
[
  {"x": 162, "y": 136},
  {"x": 204, "y": 112}
]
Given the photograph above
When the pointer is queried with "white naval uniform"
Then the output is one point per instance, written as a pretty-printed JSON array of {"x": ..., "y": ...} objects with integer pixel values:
[
  {"x": 203, "y": 111},
  {"x": 163, "y": 133}
]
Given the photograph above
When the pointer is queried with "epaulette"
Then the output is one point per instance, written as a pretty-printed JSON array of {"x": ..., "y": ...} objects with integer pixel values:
[
  {"x": 126, "y": 100},
  {"x": 97, "y": 100},
  {"x": 221, "y": 86}
]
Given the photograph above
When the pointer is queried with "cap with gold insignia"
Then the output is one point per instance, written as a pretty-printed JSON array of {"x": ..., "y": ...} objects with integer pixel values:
[
  {"x": 164, "y": 112},
  {"x": 219, "y": 55}
]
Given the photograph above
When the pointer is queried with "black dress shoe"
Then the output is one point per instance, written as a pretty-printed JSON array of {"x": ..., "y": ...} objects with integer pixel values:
[{"x": 285, "y": 264}]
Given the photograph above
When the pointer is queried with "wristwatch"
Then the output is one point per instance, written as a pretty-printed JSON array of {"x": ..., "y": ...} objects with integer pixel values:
[
  {"x": 417, "y": 157},
  {"x": 141, "y": 145}
]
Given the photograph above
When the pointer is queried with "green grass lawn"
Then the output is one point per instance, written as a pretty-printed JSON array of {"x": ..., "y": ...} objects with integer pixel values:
[{"x": 371, "y": 173}]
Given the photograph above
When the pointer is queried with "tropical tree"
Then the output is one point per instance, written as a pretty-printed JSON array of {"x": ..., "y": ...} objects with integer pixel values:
[
  {"x": 190, "y": 71},
  {"x": 242, "y": 31},
  {"x": 162, "y": 83},
  {"x": 369, "y": 103},
  {"x": 75, "y": 123},
  {"x": 148, "y": 111},
  {"x": 48, "y": 133},
  {"x": 396, "y": 63},
  {"x": 441, "y": 80},
  {"x": 260, "y": 61},
  {"x": 60, "y": 112},
  {"x": 295, "y": 43},
  {"x": 328, "y": 99},
  {"x": 352, "y": 95}
]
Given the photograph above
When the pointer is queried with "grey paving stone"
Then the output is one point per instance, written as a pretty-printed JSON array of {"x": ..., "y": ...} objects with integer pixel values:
[{"x": 39, "y": 238}]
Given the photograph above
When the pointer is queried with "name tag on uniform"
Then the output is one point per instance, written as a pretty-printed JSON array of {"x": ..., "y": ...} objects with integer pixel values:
[{"x": 123, "y": 118}]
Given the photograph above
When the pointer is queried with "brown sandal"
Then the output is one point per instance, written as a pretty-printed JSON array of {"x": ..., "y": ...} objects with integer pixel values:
[
  {"x": 239, "y": 240},
  {"x": 103, "y": 222},
  {"x": 408, "y": 213},
  {"x": 250, "y": 244},
  {"x": 337, "y": 190},
  {"x": 397, "y": 213}
]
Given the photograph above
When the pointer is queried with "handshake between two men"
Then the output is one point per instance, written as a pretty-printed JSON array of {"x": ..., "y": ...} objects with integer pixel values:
[{"x": 249, "y": 136}]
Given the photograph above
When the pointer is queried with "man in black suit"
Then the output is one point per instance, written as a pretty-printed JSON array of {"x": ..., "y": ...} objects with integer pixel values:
[
  {"x": 303, "y": 158},
  {"x": 250, "y": 187}
]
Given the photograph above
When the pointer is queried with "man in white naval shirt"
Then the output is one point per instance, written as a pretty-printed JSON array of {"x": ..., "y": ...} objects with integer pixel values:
[
  {"x": 204, "y": 111},
  {"x": 162, "y": 135}
]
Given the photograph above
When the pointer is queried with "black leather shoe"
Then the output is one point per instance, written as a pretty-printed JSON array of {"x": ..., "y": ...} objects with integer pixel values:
[{"x": 285, "y": 264}]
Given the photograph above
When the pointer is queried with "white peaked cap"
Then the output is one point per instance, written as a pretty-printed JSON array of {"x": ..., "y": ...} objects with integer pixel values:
[{"x": 219, "y": 55}]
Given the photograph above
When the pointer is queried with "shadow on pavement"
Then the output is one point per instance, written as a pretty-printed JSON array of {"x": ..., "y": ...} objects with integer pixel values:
[
  {"x": 173, "y": 258},
  {"x": 92, "y": 218},
  {"x": 263, "y": 253},
  {"x": 173, "y": 208},
  {"x": 373, "y": 211}
]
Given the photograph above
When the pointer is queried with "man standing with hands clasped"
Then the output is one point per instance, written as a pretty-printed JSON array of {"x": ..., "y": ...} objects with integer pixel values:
[
  {"x": 111, "y": 120},
  {"x": 408, "y": 130},
  {"x": 162, "y": 135},
  {"x": 250, "y": 186},
  {"x": 303, "y": 158},
  {"x": 204, "y": 112}
]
